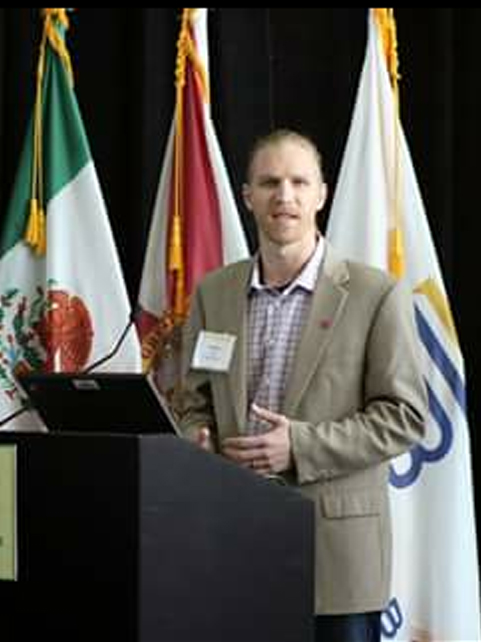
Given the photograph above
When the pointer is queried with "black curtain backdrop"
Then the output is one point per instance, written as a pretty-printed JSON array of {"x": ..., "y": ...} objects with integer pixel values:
[{"x": 269, "y": 67}]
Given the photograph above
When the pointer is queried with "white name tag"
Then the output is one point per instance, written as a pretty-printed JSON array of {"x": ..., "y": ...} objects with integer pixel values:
[{"x": 213, "y": 351}]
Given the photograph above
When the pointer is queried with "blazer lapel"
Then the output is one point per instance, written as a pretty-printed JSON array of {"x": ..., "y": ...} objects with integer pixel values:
[
  {"x": 327, "y": 303},
  {"x": 235, "y": 322}
]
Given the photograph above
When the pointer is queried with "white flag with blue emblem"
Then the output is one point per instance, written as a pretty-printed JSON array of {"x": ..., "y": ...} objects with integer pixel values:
[{"x": 435, "y": 589}]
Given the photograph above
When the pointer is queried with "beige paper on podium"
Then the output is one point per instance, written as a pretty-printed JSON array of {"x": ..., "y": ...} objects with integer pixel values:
[{"x": 8, "y": 512}]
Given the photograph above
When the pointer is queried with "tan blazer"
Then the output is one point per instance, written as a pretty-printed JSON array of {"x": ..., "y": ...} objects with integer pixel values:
[{"x": 355, "y": 397}]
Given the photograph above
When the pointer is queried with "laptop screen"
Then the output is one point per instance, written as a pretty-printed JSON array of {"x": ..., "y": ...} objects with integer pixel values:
[{"x": 98, "y": 402}]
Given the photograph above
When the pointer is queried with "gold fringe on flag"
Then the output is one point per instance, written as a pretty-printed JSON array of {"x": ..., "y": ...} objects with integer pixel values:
[
  {"x": 387, "y": 31},
  {"x": 55, "y": 21},
  {"x": 186, "y": 53}
]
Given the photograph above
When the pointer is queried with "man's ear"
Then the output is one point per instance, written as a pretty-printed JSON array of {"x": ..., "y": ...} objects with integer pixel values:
[
  {"x": 322, "y": 196},
  {"x": 246, "y": 195}
]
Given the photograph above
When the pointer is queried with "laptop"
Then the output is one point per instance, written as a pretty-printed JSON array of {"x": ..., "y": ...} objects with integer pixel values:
[{"x": 98, "y": 402}]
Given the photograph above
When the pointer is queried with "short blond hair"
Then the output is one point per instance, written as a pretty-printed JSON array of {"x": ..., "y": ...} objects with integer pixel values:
[{"x": 279, "y": 136}]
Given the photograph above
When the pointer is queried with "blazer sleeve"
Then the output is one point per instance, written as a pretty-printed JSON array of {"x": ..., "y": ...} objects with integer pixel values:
[{"x": 388, "y": 419}]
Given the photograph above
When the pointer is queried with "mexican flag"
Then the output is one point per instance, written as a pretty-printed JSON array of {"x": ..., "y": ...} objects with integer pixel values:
[{"x": 63, "y": 301}]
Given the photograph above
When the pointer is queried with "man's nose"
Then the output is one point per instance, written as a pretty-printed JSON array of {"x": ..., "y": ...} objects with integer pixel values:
[{"x": 285, "y": 192}]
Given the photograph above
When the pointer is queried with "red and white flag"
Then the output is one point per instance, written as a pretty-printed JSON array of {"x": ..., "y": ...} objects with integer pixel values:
[{"x": 195, "y": 224}]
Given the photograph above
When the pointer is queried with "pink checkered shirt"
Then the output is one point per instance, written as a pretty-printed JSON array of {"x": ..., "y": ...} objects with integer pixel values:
[{"x": 275, "y": 321}]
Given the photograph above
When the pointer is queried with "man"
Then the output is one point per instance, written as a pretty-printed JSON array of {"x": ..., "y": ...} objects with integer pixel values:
[{"x": 309, "y": 372}]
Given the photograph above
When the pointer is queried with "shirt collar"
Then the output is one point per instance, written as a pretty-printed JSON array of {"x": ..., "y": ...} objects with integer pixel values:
[{"x": 306, "y": 279}]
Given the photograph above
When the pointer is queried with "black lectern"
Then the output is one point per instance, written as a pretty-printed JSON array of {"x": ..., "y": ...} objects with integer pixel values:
[{"x": 146, "y": 538}]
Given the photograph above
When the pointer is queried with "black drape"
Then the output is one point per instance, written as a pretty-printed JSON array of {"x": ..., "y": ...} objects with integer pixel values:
[{"x": 269, "y": 67}]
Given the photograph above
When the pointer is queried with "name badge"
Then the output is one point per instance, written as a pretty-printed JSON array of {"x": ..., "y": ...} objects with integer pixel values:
[{"x": 213, "y": 351}]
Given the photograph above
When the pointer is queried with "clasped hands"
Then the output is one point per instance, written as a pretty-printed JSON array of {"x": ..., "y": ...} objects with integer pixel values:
[{"x": 267, "y": 453}]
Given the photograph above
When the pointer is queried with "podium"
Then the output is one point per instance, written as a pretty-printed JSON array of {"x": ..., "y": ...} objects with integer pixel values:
[{"x": 146, "y": 538}]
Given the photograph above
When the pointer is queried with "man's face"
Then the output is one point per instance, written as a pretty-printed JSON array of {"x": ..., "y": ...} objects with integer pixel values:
[{"x": 285, "y": 191}]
